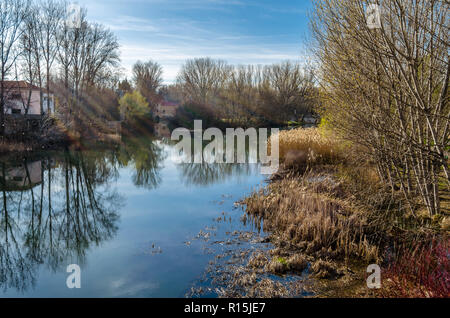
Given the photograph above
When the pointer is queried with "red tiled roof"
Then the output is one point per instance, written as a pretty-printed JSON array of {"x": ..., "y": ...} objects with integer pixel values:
[
  {"x": 165, "y": 103},
  {"x": 19, "y": 85}
]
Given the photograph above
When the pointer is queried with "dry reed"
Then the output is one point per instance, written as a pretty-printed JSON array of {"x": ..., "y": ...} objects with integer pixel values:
[
  {"x": 303, "y": 212},
  {"x": 310, "y": 145}
]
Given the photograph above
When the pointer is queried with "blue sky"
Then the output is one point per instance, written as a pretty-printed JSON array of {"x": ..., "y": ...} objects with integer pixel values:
[{"x": 171, "y": 31}]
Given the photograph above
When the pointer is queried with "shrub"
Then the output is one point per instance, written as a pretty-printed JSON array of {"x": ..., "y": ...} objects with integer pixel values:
[
  {"x": 423, "y": 271},
  {"x": 133, "y": 105}
]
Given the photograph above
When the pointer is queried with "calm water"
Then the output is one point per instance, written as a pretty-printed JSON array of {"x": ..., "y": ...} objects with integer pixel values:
[{"x": 128, "y": 215}]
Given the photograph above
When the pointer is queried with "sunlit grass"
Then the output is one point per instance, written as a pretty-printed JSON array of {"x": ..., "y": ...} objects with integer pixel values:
[
  {"x": 304, "y": 212},
  {"x": 311, "y": 145}
]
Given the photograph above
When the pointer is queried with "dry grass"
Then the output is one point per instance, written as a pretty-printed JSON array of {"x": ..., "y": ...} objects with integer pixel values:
[
  {"x": 248, "y": 287},
  {"x": 324, "y": 269},
  {"x": 328, "y": 206},
  {"x": 303, "y": 211},
  {"x": 310, "y": 146}
]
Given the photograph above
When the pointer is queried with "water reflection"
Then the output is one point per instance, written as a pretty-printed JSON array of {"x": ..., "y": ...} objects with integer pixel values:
[
  {"x": 55, "y": 206},
  {"x": 210, "y": 173},
  {"x": 21, "y": 176},
  {"x": 205, "y": 173},
  {"x": 53, "y": 210},
  {"x": 145, "y": 156}
]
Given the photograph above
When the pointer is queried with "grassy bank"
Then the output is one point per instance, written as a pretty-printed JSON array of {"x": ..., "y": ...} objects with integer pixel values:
[{"x": 328, "y": 206}]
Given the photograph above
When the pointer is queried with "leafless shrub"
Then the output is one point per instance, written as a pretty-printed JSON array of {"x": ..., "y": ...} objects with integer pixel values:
[{"x": 387, "y": 89}]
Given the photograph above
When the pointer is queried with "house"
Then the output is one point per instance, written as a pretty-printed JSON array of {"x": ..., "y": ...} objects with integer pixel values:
[
  {"x": 165, "y": 109},
  {"x": 20, "y": 94}
]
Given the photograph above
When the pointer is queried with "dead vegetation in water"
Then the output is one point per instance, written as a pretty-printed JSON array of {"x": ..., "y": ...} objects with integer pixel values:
[
  {"x": 263, "y": 275},
  {"x": 278, "y": 273},
  {"x": 247, "y": 284},
  {"x": 308, "y": 213},
  {"x": 240, "y": 271},
  {"x": 281, "y": 271},
  {"x": 244, "y": 274},
  {"x": 330, "y": 206}
]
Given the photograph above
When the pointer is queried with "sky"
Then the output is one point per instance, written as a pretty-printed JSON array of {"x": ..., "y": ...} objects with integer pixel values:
[{"x": 172, "y": 31}]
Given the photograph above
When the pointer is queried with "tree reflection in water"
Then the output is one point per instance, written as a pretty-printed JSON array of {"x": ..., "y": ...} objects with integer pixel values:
[
  {"x": 203, "y": 174},
  {"x": 53, "y": 210},
  {"x": 55, "y": 206},
  {"x": 145, "y": 157}
]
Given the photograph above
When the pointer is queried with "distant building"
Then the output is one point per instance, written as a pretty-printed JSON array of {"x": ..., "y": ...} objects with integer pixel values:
[
  {"x": 165, "y": 109},
  {"x": 18, "y": 97}
]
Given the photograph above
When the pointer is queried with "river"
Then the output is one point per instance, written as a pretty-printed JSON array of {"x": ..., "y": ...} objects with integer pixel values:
[{"x": 137, "y": 223}]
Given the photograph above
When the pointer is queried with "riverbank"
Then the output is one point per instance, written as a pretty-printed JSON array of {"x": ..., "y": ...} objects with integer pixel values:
[
  {"x": 330, "y": 216},
  {"x": 55, "y": 136},
  {"x": 35, "y": 143}
]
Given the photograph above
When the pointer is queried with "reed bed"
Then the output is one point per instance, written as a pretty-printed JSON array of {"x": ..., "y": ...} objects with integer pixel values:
[
  {"x": 330, "y": 206},
  {"x": 310, "y": 146},
  {"x": 303, "y": 212},
  {"x": 313, "y": 210}
]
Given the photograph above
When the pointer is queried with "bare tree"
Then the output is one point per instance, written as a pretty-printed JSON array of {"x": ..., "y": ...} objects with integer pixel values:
[
  {"x": 240, "y": 98},
  {"x": 50, "y": 17},
  {"x": 147, "y": 78},
  {"x": 387, "y": 89},
  {"x": 12, "y": 14},
  {"x": 28, "y": 47},
  {"x": 64, "y": 53},
  {"x": 101, "y": 52},
  {"x": 287, "y": 90},
  {"x": 85, "y": 54},
  {"x": 203, "y": 78}
]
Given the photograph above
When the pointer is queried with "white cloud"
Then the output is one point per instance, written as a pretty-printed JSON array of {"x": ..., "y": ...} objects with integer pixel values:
[
  {"x": 171, "y": 57},
  {"x": 129, "y": 23},
  {"x": 171, "y": 39}
]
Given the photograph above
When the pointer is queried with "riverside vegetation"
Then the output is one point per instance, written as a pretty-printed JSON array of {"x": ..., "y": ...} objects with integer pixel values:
[
  {"x": 372, "y": 184},
  {"x": 328, "y": 208}
]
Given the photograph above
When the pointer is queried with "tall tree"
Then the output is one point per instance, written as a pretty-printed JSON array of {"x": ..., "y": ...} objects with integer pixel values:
[
  {"x": 50, "y": 17},
  {"x": 147, "y": 78},
  {"x": 286, "y": 90},
  {"x": 12, "y": 14},
  {"x": 203, "y": 78},
  {"x": 387, "y": 89}
]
